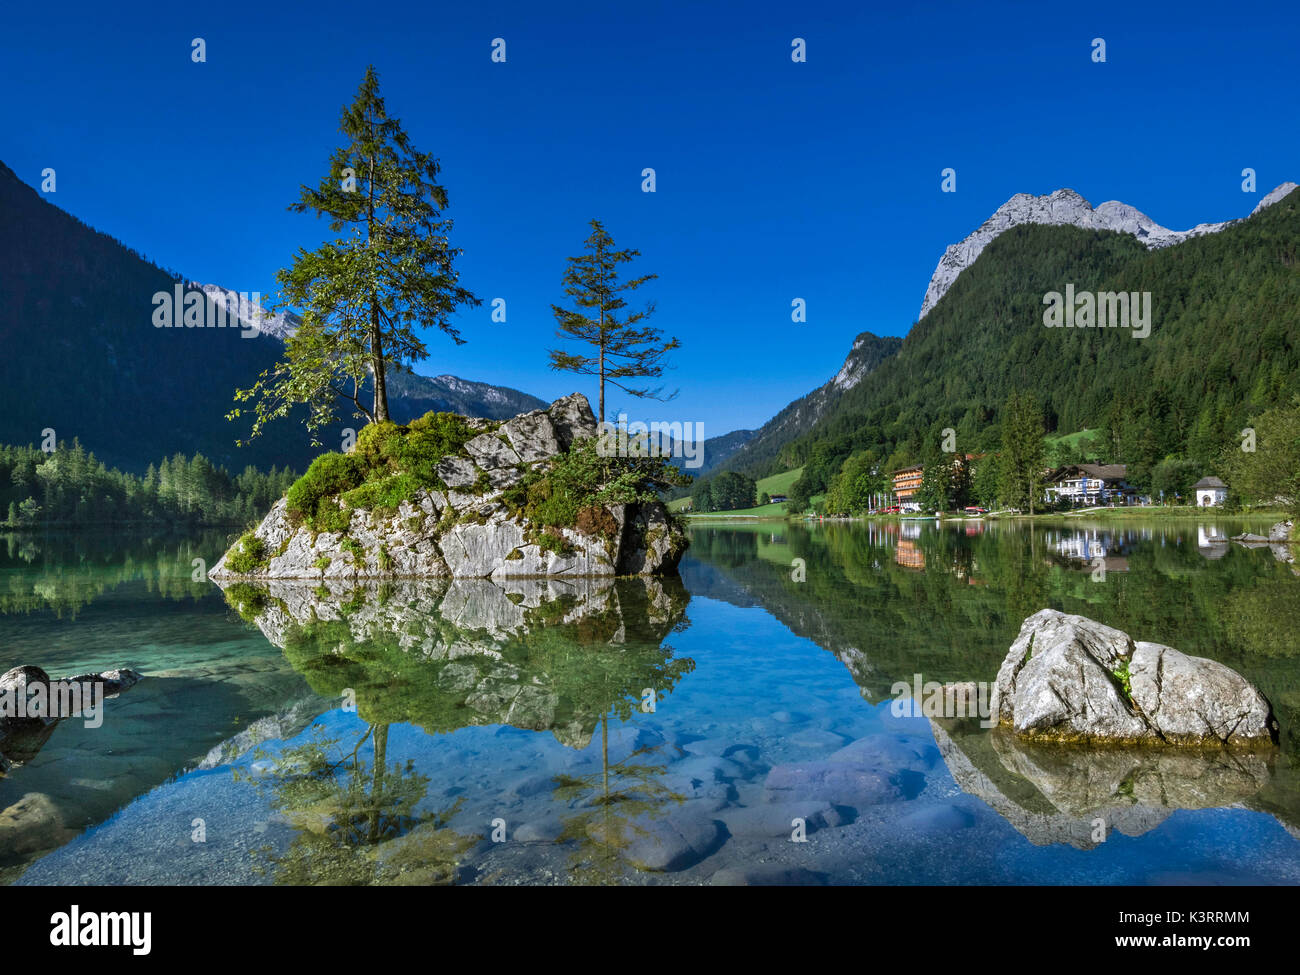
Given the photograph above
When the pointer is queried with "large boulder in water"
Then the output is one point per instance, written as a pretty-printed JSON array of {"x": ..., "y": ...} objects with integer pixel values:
[{"x": 1069, "y": 678}]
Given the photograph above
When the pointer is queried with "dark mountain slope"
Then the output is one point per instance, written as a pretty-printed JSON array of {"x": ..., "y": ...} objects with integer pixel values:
[{"x": 83, "y": 357}]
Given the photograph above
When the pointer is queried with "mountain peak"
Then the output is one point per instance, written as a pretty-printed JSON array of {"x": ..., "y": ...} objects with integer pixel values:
[
  {"x": 1277, "y": 194},
  {"x": 249, "y": 311},
  {"x": 857, "y": 363},
  {"x": 1065, "y": 207}
]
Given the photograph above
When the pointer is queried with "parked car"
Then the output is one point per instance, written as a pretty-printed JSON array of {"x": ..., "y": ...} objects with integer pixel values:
[{"x": 973, "y": 509}]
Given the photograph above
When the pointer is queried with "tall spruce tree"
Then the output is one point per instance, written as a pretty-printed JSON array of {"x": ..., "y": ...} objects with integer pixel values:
[
  {"x": 623, "y": 349},
  {"x": 1021, "y": 460},
  {"x": 388, "y": 271},
  {"x": 935, "y": 492}
]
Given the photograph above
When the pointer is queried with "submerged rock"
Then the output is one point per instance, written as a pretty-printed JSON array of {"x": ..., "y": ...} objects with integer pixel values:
[
  {"x": 777, "y": 820},
  {"x": 839, "y": 782},
  {"x": 32, "y": 704},
  {"x": 467, "y": 522},
  {"x": 31, "y": 825},
  {"x": 659, "y": 842},
  {"x": 1069, "y": 678}
]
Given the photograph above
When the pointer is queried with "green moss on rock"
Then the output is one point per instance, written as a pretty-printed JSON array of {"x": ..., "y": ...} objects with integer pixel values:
[
  {"x": 554, "y": 542},
  {"x": 390, "y": 464},
  {"x": 248, "y": 554},
  {"x": 313, "y": 497},
  {"x": 354, "y": 547}
]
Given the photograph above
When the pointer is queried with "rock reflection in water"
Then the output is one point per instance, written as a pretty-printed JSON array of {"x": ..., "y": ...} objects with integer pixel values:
[
  {"x": 1053, "y": 793},
  {"x": 534, "y": 654}
]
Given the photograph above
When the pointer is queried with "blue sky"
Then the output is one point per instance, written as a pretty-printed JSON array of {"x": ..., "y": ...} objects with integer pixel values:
[{"x": 775, "y": 180}]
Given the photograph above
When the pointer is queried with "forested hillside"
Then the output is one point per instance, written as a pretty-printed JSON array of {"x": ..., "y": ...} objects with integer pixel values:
[
  {"x": 759, "y": 453},
  {"x": 69, "y": 486},
  {"x": 83, "y": 358},
  {"x": 1224, "y": 346}
]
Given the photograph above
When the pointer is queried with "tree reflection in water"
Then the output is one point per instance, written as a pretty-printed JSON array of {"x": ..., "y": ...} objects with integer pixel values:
[
  {"x": 611, "y": 817},
  {"x": 541, "y": 655},
  {"x": 356, "y": 824}
]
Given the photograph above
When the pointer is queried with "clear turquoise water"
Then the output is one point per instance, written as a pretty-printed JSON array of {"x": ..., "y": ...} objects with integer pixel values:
[{"x": 516, "y": 743}]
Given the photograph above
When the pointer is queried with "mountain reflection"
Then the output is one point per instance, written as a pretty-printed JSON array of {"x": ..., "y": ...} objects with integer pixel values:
[{"x": 892, "y": 601}]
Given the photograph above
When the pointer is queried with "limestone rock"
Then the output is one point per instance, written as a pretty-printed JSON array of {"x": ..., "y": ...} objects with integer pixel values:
[
  {"x": 651, "y": 543},
  {"x": 22, "y": 736},
  {"x": 572, "y": 419},
  {"x": 841, "y": 783},
  {"x": 14, "y": 688},
  {"x": 31, "y": 825},
  {"x": 457, "y": 471},
  {"x": 650, "y": 842},
  {"x": 470, "y": 531},
  {"x": 776, "y": 820},
  {"x": 1063, "y": 679},
  {"x": 532, "y": 435},
  {"x": 490, "y": 452},
  {"x": 1192, "y": 699}
]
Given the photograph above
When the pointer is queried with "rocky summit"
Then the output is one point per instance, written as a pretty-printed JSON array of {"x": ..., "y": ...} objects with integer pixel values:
[
  {"x": 461, "y": 497},
  {"x": 1065, "y": 207},
  {"x": 1069, "y": 678}
]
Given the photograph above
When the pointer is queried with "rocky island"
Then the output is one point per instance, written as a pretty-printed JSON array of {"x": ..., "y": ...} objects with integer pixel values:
[{"x": 463, "y": 497}]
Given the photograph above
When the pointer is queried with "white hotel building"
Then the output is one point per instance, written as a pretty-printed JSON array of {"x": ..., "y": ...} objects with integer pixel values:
[{"x": 1088, "y": 485}]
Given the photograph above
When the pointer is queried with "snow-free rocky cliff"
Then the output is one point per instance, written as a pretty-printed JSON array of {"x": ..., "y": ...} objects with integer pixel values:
[
  {"x": 1065, "y": 207},
  {"x": 736, "y": 451},
  {"x": 468, "y": 531}
]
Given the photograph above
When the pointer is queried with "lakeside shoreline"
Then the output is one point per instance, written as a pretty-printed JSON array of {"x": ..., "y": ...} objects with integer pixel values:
[{"x": 1162, "y": 512}]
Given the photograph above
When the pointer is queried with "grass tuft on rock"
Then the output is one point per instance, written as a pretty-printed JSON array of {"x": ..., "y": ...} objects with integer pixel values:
[
  {"x": 1125, "y": 680},
  {"x": 248, "y": 554},
  {"x": 579, "y": 480}
]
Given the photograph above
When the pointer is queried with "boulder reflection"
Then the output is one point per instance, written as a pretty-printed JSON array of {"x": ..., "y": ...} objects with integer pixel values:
[{"x": 1054, "y": 793}]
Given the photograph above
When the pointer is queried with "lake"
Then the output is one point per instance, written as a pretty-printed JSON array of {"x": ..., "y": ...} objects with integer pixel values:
[{"x": 741, "y": 724}]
